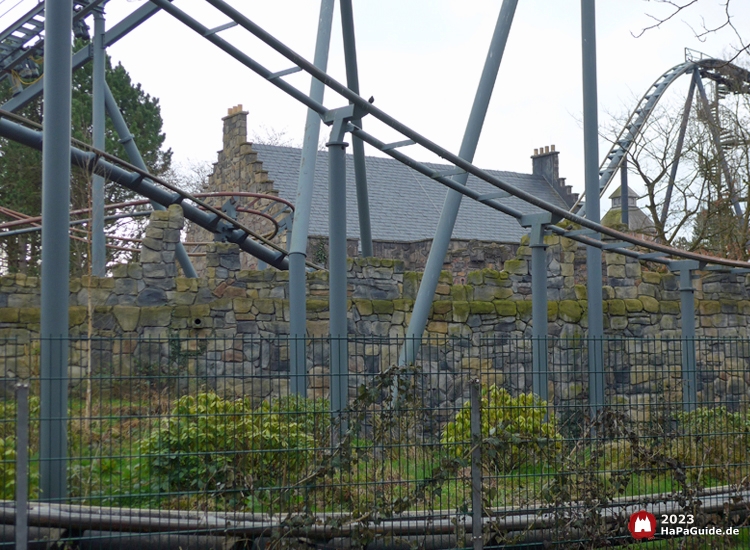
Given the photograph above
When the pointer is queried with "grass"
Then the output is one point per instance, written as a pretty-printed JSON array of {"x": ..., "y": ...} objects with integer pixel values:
[{"x": 397, "y": 474}]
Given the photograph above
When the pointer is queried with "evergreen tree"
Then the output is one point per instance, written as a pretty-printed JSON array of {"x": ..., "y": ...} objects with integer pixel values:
[{"x": 21, "y": 167}]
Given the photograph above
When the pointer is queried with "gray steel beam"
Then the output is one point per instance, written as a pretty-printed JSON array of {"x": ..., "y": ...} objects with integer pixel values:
[
  {"x": 366, "y": 107},
  {"x": 98, "y": 239},
  {"x": 339, "y": 368},
  {"x": 591, "y": 160},
  {"x": 624, "y": 199},
  {"x": 83, "y": 55},
  {"x": 22, "y": 465},
  {"x": 452, "y": 202},
  {"x": 53, "y": 444},
  {"x": 145, "y": 187},
  {"x": 678, "y": 146},
  {"x": 687, "y": 310},
  {"x": 360, "y": 171},
  {"x": 539, "y": 318},
  {"x": 713, "y": 128},
  {"x": 303, "y": 204},
  {"x": 128, "y": 143},
  {"x": 243, "y": 58}
]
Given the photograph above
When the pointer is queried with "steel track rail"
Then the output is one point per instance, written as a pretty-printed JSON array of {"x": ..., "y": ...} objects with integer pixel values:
[
  {"x": 364, "y": 107},
  {"x": 143, "y": 183},
  {"x": 714, "y": 69}
]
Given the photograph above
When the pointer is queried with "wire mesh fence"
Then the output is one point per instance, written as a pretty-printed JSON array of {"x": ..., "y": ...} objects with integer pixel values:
[{"x": 199, "y": 443}]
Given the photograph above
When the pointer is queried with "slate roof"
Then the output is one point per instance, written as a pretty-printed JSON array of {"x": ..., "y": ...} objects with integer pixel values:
[{"x": 405, "y": 206}]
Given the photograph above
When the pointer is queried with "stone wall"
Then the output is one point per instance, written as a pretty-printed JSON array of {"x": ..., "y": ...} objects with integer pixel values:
[
  {"x": 238, "y": 168},
  {"x": 238, "y": 314}
]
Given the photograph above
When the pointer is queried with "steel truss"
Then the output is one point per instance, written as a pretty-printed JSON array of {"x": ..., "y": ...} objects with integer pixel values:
[{"x": 344, "y": 120}]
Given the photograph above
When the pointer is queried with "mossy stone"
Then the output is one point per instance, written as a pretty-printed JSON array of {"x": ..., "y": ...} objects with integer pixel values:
[
  {"x": 264, "y": 305},
  {"x": 581, "y": 292},
  {"x": 411, "y": 284},
  {"x": 76, "y": 315},
  {"x": 669, "y": 307},
  {"x": 156, "y": 316},
  {"x": 552, "y": 309},
  {"x": 475, "y": 278},
  {"x": 460, "y": 311},
  {"x": 481, "y": 308},
  {"x": 179, "y": 312},
  {"x": 382, "y": 306},
  {"x": 524, "y": 309},
  {"x": 364, "y": 307},
  {"x": 570, "y": 311},
  {"x": 200, "y": 310},
  {"x": 458, "y": 293},
  {"x": 29, "y": 315},
  {"x": 650, "y": 304},
  {"x": 314, "y": 306},
  {"x": 490, "y": 273},
  {"x": 709, "y": 307},
  {"x": 442, "y": 307},
  {"x": 505, "y": 308},
  {"x": 127, "y": 316},
  {"x": 439, "y": 327},
  {"x": 616, "y": 307},
  {"x": 633, "y": 305},
  {"x": 403, "y": 304},
  {"x": 503, "y": 293},
  {"x": 651, "y": 277},
  {"x": 516, "y": 267},
  {"x": 242, "y": 305},
  {"x": 9, "y": 315}
]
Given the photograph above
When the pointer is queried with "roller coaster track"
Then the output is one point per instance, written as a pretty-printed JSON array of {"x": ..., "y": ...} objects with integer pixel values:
[
  {"x": 23, "y": 39},
  {"x": 589, "y": 234},
  {"x": 735, "y": 78}
]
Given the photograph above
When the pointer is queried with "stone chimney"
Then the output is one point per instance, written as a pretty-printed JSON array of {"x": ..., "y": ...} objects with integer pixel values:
[
  {"x": 546, "y": 163},
  {"x": 235, "y": 130}
]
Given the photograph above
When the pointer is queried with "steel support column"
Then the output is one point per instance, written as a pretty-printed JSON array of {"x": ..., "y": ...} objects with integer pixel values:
[
  {"x": 713, "y": 127},
  {"x": 339, "y": 368},
  {"x": 303, "y": 202},
  {"x": 128, "y": 143},
  {"x": 98, "y": 239},
  {"x": 82, "y": 56},
  {"x": 53, "y": 445},
  {"x": 687, "y": 311},
  {"x": 624, "y": 199},
  {"x": 452, "y": 202},
  {"x": 360, "y": 172},
  {"x": 539, "y": 318},
  {"x": 591, "y": 160},
  {"x": 678, "y": 146}
]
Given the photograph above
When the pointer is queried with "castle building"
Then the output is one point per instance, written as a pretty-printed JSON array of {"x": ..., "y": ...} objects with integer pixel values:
[{"x": 404, "y": 205}]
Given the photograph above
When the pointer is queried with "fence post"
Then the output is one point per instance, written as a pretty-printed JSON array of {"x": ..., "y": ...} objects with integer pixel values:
[
  {"x": 476, "y": 465},
  {"x": 539, "y": 318},
  {"x": 687, "y": 314},
  {"x": 22, "y": 464}
]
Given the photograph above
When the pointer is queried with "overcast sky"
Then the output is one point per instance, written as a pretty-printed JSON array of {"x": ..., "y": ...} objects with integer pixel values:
[{"x": 421, "y": 60}]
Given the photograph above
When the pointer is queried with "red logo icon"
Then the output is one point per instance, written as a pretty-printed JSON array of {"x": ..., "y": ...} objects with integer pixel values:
[{"x": 642, "y": 525}]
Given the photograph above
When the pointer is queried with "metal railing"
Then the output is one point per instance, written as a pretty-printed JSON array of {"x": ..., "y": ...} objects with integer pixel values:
[{"x": 176, "y": 440}]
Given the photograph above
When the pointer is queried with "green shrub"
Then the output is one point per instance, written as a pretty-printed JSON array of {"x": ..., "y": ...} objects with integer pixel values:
[
  {"x": 213, "y": 444},
  {"x": 8, "y": 448},
  {"x": 712, "y": 441},
  {"x": 514, "y": 429}
]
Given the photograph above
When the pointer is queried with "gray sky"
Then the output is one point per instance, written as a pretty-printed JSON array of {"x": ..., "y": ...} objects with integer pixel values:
[{"x": 421, "y": 60}]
